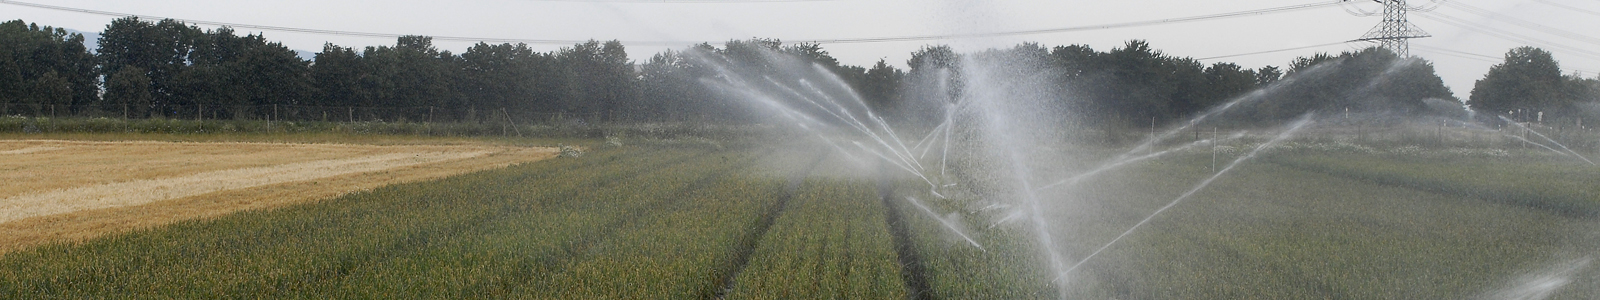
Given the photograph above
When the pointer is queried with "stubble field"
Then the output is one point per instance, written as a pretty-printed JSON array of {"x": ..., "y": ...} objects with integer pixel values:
[{"x": 62, "y": 190}]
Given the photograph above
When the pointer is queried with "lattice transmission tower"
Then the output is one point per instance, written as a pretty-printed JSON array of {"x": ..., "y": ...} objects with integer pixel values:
[{"x": 1395, "y": 30}]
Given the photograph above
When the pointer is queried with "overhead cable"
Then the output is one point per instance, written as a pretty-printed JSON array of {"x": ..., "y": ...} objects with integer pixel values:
[
  {"x": 1274, "y": 10},
  {"x": 1510, "y": 36},
  {"x": 1247, "y": 13},
  {"x": 1271, "y": 51},
  {"x": 1525, "y": 24},
  {"x": 1567, "y": 7}
]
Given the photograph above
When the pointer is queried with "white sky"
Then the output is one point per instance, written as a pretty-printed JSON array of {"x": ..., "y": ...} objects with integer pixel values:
[{"x": 794, "y": 20}]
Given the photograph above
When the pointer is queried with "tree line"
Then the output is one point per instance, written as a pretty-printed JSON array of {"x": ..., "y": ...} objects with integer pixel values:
[{"x": 147, "y": 69}]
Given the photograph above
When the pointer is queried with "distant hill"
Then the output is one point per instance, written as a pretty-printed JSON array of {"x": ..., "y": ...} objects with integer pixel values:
[{"x": 91, "y": 40}]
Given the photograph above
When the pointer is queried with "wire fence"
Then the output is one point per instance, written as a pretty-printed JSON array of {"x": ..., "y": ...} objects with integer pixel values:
[{"x": 15, "y": 117}]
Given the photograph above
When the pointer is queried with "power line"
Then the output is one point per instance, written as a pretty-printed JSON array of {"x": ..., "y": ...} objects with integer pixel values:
[
  {"x": 1567, "y": 7},
  {"x": 1525, "y": 24},
  {"x": 1246, "y": 13},
  {"x": 682, "y": 1},
  {"x": 1474, "y": 56},
  {"x": 1470, "y": 54},
  {"x": 304, "y": 30},
  {"x": 1496, "y": 32},
  {"x": 1271, "y": 51},
  {"x": 1458, "y": 54}
]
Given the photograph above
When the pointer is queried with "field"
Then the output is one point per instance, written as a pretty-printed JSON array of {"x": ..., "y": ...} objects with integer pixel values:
[
  {"x": 61, "y": 190},
  {"x": 751, "y": 220}
]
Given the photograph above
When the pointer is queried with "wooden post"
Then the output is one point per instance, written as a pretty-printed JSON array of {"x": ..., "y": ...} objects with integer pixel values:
[
  {"x": 1152, "y": 148},
  {"x": 200, "y": 113},
  {"x": 1196, "y": 130},
  {"x": 508, "y": 121},
  {"x": 1213, "y": 150},
  {"x": 1441, "y": 133}
]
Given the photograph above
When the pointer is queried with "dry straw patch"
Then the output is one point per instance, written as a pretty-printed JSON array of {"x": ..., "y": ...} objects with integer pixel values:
[{"x": 74, "y": 190}]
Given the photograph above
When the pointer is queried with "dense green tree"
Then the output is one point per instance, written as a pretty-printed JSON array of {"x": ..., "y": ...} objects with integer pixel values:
[
  {"x": 1268, "y": 75},
  {"x": 1145, "y": 84},
  {"x": 1528, "y": 80},
  {"x": 670, "y": 87},
  {"x": 161, "y": 49},
  {"x": 128, "y": 91},
  {"x": 229, "y": 74},
  {"x": 933, "y": 82},
  {"x": 507, "y": 76},
  {"x": 412, "y": 75},
  {"x": 44, "y": 66},
  {"x": 336, "y": 75},
  {"x": 599, "y": 79},
  {"x": 880, "y": 86},
  {"x": 1224, "y": 81},
  {"x": 1372, "y": 80}
]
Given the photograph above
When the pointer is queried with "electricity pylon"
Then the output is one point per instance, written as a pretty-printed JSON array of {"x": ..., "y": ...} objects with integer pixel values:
[{"x": 1395, "y": 29}]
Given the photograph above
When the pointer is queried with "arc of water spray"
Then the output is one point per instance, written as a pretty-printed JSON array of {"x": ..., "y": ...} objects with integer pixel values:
[
  {"x": 904, "y": 156},
  {"x": 856, "y": 123},
  {"x": 1552, "y": 141},
  {"x": 854, "y": 95},
  {"x": 1519, "y": 138},
  {"x": 927, "y": 142},
  {"x": 933, "y": 187},
  {"x": 1070, "y": 181},
  {"x": 1258, "y": 94},
  {"x": 850, "y": 91},
  {"x": 947, "y": 223},
  {"x": 1275, "y": 140}
]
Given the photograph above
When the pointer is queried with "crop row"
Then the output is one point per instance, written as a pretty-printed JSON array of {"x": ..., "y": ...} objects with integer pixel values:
[
  {"x": 830, "y": 243},
  {"x": 1557, "y": 184}
]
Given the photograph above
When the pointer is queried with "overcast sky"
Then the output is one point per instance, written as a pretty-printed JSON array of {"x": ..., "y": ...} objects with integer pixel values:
[{"x": 1464, "y": 45}]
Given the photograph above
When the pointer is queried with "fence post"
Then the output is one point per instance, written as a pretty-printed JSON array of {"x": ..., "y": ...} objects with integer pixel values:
[
  {"x": 1213, "y": 150},
  {"x": 508, "y": 120}
]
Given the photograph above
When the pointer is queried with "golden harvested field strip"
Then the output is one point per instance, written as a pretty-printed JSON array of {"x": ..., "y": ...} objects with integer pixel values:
[{"x": 72, "y": 190}]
